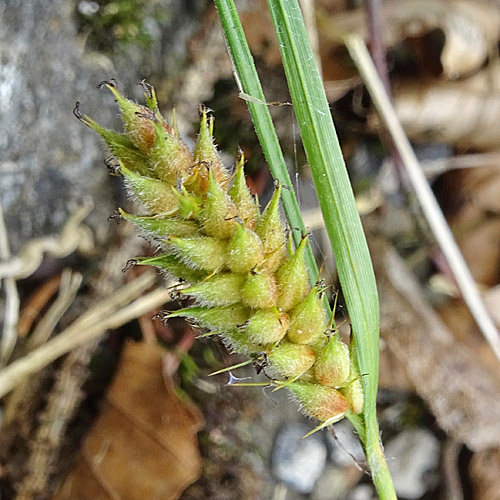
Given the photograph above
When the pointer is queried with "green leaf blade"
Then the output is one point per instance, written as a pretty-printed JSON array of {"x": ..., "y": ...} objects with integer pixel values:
[
  {"x": 249, "y": 83},
  {"x": 341, "y": 218}
]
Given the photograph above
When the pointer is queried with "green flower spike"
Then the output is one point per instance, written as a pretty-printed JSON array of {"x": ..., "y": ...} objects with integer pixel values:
[
  {"x": 157, "y": 197},
  {"x": 267, "y": 326},
  {"x": 318, "y": 401},
  {"x": 251, "y": 288},
  {"x": 270, "y": 231},
  {"x": 291, "y": 360},
  {"x": 170, "y": 158},
  {"x": 137, "y": 119},
  {"x": 219, "y": 290},
  {"x": 353, "y": 391},
  {"x": 174, "y": 266},
  {"x": 201, "y": 252},
  {"x": 160, "y": 226},
  {"x": 217, "y": 319},
  {"x": 218, "y": 215},
  {"x": 205, "y": 151}
]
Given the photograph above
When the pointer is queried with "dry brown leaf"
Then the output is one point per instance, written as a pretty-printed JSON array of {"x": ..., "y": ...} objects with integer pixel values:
[
  {"x": 463, "y": 394},
  {"x": 471, "y": 28},
  {"x": 481, "y": 250},
  {"x": 483, "y": 470},
  {"x": 471, "y": 201},
  {"x": 462, "y": 113},
  {"x": 143, "y": 445}
]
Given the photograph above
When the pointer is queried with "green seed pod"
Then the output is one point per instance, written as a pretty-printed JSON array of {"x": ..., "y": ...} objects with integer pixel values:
[
  {"x": 170, "y": 157},
  {"x": 122, "y": 148},
  {"x": 243, "y": 200},
  {"x": 205, "y": 150},
  {"x": 292, "y": 279},
  {"x": 270, "y": 231},
  {"x": 219, "y": 290},
  {"x": 217, "y": 319},
  {"x": 162, "y": 226},
  {"x": 244, "y": 250},
  {"x": 332, "y": 363},
  {"x": 353, "y": 391},
  {"x": 266, "y": 326},
  {"x": 237, "y": 341},
  {"x": 260, "y": 290},
  {"x": 291, "y": 360},
  {"x": 174, "y": 266},
  {"x": 218, "y": 214},
  {"x": 318, "y": 401},
  {"x": 137, "y": 120},
  {"x": 307, "y": 320},
  {"x": 203, "y": 252},
  {"x": 157, "y": 198}
]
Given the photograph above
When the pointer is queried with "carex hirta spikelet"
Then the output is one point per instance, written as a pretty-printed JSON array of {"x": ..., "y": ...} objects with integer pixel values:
[{"x": 248, "y": 282}]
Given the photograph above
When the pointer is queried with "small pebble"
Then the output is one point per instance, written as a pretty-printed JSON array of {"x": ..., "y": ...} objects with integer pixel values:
[
  {"x": 412, "y": 455},
  {"x": 298, "y": 462}
]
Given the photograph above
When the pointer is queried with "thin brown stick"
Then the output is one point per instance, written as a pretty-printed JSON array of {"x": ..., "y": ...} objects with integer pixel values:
[
  {"x": 38, "y": 300},
  {"x": 70, "y": 283}
]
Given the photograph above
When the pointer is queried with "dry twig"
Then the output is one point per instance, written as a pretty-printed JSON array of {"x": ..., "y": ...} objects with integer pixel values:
[
  {"x": 88, "y": 327},
  {"x": 9, "y": 334}
]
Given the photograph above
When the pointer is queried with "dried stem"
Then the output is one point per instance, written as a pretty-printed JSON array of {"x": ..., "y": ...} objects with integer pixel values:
[
  {"x": 430, "y": 207},
  {"x": 9, "y": 334},
  {"x": 90, "y": 326}
]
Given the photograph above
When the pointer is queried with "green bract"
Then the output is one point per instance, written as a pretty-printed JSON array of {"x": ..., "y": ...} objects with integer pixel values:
[{"x": 250, "y": 286}]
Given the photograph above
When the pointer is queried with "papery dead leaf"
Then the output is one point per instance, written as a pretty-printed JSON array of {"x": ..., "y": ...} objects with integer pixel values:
[
  {"x": 470, "y": 199},
  {"x": 462, "y": 113},
  {"x": 481, "y": 250},
  {"x": 471, "y": 28},
  {"x": 143, "y": 445},
  {"x": 463, "y": 394},
  {"x": 483, "y": 469}
]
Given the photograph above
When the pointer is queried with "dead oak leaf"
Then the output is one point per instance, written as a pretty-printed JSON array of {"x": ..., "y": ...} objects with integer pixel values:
[{"x": 143, "y": 445}]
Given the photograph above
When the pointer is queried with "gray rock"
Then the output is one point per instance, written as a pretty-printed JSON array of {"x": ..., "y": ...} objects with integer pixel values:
[
  {"x": 332, "y": 485},
  {"x": 49, "y": 161},
  {"x": 298, "y": 462},
  {"x": 412, "y": 457},
  {"x": 362, "y": 492}
]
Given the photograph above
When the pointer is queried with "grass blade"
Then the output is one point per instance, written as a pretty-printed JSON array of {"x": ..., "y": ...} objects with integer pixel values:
[
  {"x": 341, "y": 218},
  {"x": 333, "y": 189},
  {"x": 249, "y": 85}
]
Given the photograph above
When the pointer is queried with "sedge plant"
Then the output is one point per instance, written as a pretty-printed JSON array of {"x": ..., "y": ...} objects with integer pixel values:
[
  {"x": 251, "y": 280},
  {"x": 334, "y": 192}
]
